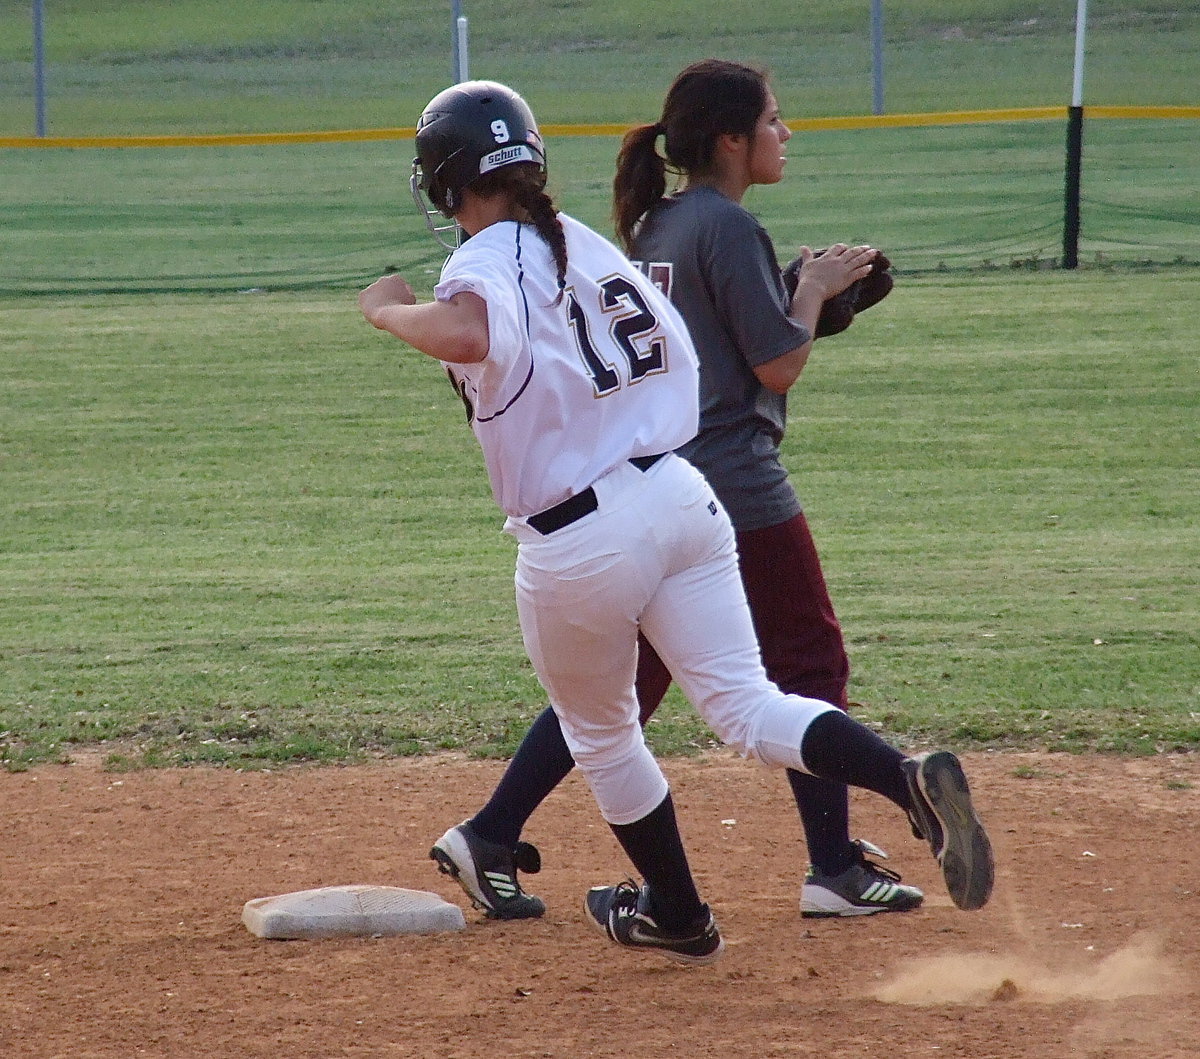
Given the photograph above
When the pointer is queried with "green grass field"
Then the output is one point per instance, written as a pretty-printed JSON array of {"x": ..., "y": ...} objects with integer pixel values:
[{"x": 241, "y": 527}]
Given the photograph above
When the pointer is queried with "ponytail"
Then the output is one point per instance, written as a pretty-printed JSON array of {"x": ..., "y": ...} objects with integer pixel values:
[
  {"x": 640, "y": 181},
  {"x": 708, "y": 99}
]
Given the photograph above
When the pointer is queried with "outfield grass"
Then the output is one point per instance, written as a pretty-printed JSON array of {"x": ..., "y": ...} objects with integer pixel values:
[{"x": 248, "y": 528}]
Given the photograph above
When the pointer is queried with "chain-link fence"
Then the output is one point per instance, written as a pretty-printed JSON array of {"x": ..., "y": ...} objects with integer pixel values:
[{"x": 936, "y": 192}]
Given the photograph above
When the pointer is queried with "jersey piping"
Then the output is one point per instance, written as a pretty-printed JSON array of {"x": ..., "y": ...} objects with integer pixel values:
[{"x": 525, "y": 313}]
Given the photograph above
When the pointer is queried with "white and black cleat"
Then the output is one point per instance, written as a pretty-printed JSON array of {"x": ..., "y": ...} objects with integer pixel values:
[
  {"x": 487, "y": 872},
  {"x": 863, "y": 889}
]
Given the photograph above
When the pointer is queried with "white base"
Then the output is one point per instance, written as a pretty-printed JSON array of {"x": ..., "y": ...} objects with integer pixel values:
[{"x": 350, "y": 911}]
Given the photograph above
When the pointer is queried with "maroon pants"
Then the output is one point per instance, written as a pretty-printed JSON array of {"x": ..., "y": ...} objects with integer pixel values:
[{"x": 798, "y": 632}]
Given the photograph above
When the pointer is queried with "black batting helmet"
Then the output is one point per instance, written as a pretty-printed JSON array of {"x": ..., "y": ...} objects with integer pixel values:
[{"x": 470, "y": 129}]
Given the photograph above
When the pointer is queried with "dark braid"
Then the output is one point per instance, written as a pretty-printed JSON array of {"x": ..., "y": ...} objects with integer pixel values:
[
  {"x": 543, "y": 215},
  {"x": 526, "y": 183}
]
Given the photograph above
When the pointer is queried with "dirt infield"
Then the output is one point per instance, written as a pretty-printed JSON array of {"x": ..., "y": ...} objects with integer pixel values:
[{"x": 121, "y": 896}]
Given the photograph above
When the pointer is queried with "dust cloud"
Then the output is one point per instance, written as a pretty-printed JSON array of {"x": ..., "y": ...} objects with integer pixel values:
[{"x": 1137, "y": 969}]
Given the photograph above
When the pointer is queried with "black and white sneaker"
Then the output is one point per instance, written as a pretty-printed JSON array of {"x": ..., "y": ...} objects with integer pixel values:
[
  {"x": 861, "y": 890},
  {"x": 619, "y": 911},
  {"x": 944, "y": 816},
  {"x": 487, "y": 872}
]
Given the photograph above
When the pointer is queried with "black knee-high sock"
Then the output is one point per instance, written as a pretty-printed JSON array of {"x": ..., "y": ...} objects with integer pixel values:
[
  {"x": 825, "y": 814},
  {"x": 656, "y": 849},
  {"x": 837, "y": 747},
  {"x": 540, "y": 764}
]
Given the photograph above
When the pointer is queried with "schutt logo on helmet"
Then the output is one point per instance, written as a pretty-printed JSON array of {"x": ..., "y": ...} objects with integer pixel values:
[{"x": 506, "y": 156}]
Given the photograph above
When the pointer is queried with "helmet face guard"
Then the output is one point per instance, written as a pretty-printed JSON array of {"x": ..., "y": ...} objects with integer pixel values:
[
  {"x": 466, "y": 131},
  {"x": 435, "y": 219}
]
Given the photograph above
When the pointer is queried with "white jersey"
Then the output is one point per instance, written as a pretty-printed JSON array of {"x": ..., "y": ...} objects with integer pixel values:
[{"x": 572, "y": 386}]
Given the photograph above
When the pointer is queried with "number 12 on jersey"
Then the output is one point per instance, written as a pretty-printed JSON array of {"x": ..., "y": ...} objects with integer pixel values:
[{"x": 632, "y": 328}]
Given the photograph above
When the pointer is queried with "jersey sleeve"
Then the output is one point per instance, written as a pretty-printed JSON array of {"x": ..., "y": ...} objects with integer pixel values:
[
  {"x": 489, "y": 277},
  {"x": 746, "y": 288}
]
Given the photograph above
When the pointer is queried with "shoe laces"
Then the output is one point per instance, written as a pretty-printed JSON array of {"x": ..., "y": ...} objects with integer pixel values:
[
  {"x": 637, "y": 898},
  {"x": 865, "y": 848},
  {"x": 626, "y": 893}
]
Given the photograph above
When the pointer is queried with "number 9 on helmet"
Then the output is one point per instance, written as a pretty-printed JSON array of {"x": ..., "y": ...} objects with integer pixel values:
[{"x": 466, "y": 131}]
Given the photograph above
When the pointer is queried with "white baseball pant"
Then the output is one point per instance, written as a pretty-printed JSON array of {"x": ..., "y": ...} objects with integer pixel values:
[{"x": 658, "y": 554}]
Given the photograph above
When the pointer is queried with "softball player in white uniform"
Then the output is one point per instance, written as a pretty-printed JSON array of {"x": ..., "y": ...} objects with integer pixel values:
[{"x": 578, "y": 375}]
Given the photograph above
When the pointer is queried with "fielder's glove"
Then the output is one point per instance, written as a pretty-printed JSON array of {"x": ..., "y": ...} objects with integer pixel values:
[{"x": 838, "y": 312}]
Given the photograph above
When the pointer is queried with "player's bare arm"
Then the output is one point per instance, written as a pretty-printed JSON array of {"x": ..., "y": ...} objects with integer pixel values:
[
  {"x": 820, "y": 278},
  {"x": 455, "y": 331}
]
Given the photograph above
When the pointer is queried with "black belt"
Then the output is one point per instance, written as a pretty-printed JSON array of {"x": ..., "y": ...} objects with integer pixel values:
[{"x": 575, "y": 507}]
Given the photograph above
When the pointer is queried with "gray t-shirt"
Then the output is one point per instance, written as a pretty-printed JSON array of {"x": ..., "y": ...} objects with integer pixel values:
[{"x": 718, "y": 265}]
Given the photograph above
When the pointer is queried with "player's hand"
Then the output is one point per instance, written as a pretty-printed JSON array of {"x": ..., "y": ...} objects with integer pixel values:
[
  {"x": 385, "y": 291},
  {"x": 833, "y": 271}
]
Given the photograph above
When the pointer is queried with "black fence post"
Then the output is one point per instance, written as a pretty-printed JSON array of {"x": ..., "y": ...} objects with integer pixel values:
[{"x": 1070, "y": 258}]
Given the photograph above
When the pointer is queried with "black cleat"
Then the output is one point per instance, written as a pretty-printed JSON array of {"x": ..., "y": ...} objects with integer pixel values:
[
  {"x": 487, "y": 872},
  {"x": 619, "y": 912},
  {"x": 944, "y": 816}
]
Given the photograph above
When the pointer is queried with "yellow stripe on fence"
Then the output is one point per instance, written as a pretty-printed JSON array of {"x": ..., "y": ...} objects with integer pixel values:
[
  {"x": 240, "y": 139},
  {"x": 1141, "y": 112},
  {"x": 948, "y": 117},
  {"x": 863, "y": 121}
]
